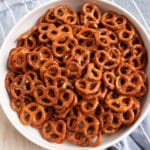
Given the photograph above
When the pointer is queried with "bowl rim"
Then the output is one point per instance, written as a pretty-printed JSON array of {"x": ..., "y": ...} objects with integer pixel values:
[{"x": 33, "y": 140}]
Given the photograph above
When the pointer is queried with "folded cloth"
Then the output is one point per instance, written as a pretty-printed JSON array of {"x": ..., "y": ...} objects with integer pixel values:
[{"x": 12, "y": 11}]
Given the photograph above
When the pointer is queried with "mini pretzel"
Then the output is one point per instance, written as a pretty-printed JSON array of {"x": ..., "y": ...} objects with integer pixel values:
[
  {"x": 88, "y": 106},
  {"x": 21, "y": 85},
  {"x": 129, "y": 86},
  {"x": 17, "y": 59},
  {"x": 105, "y": 37},
  {"x": 63, "y": 45},
  {"x": 16, "y": 105},
  {"x": 54, "y": 131},
  {"x": 107, "y": 60},
  {"x": 32, "y": 114},
  {"x": 86, "y": 86},
  {"x": 119, "y": 103},
  {"x": 9, "y": 79},
  {"x": 46, "y": 96},
  {"x": 49, "y": 16},
  {"x": 90, "y": 12},
  {"x": 65, "y": 14},
  {"x": 113, "y": 21}
]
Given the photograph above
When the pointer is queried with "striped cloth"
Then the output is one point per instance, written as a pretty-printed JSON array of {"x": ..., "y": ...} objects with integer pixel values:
[{"x": 13, "y": 10}]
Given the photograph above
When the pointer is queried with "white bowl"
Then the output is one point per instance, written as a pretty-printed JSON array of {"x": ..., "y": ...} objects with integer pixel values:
[{"x": 26, "y": 23}]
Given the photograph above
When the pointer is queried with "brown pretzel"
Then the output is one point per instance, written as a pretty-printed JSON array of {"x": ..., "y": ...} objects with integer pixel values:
[
  {"x": 129, "y": 85},
  {"x": 90, "y": 12},
  {"x": 113, "y": 21},
  {"x": 49, "y": 16},
  {"x": 88, "y": 106},
  {"x": 17, "y": 59},
  {"x": 46, "y": 96},
  {"x": 65, "y": 14},
  {"x": 21, "y": 85},
  {"x": 54, "y": 131},
  {"x": 32, "y": 114},
  {"x": 63, "y": 45},
  {"x": 86, "y": 86},
  {"x": 107, "y": 60},
  {"x": 119, "y": 103},
  {"x": 105, "y": 37}
]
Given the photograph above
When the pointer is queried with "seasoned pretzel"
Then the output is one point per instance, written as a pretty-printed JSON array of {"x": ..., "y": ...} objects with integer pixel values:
[
  {"x": 105, "y": 37},
  {"x": 46, "y": 96},
  {"x": 113, "y": 21},
  {"x": 107, "y": 60},
  {"x": 54, "y": 131},
  {"x": 66, "y": 14},
  {"x": 119, "y": 103},
  {"x": 88, "y": 106},
  {"x": 130, "y": 86},
  {"x": 17, "y": 59},
  {"x": 21, "y": 85},
  {"x": 90, "y": 12},
  {"x": 86, "y": 86},
  {"x": 32, "y": 114}
]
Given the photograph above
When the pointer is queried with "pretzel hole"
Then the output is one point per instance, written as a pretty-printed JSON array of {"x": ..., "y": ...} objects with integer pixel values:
[
  {"x": 65, "y": 29},
  {"x": 82, "y": 84},
  {"x": 109, "y": 78},
  {"x": 115, "y": 120},
  {"x": 66, "y": 96},
  {"x": 128, "y": 55},
  {"x": 103, "y": 40},
  {"x": 136, "y": 40},
  {"x": 46, "y": 100},
  {"x": 124, "y": 45},
  {"x": 89, "y": 119},
  {"x": 135, "y": 62},
  {"x": 113, "y": 37},
  {"x": 88, "y": 105},
  {"x": 49, "y": 80},
  {"x": 125, "y": 35},
  {"x": 51, "y": 16},
  {"x": 30, "y": 43},
  {"x": 134, "y": 80},
  {"x": 17, "y": 92},
  {"x": 96, "y": 14},
  {"x": 119, "y": 20},
  {"x": 110, "y": 23},
  {"x": 115, "y": 95},
  {"x": 88, "y": 8},
  {"x": 90, "y": 130},
  {"x": 70, "y": 18},
  {"x": 124, "y": 69},
  {"x": 81, "y": 125},
  {"x": 116, "y": 104},
  {"x": 92, "y": 86},
  {"x": 60, "y": 50},
  {"x": 54, "y": 136},
  {"x": 129, "y": 89},
  {"x": 79, "y": 136},
  {"x": 102, "y": 57},
  {"x": 39, "y": 116},
  {"x": 33, "y": 108},
  {"x": 27, "y": 86},
  {"x": 122, "y": 81},
  {"x": 54, "y": 32},
  {"x": 51, "y": 92},
  {"x": 108, "y": 16},
  {"x": 48, "y": 128},
  {"x": 44, "y": 36},
  {"x": 59, "y": 128},
  {"x": 127, "y": 115},
  {"x": 26, "y": 116},
  {"x": 129, "y": 27},
  {"x": 59, "y": 103},
  {"x": 60, "y": 12},
  {"x": 109, "y": 63}
]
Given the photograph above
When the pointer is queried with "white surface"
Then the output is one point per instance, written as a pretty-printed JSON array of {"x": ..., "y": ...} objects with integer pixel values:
[{"x": 27, "y": 22}]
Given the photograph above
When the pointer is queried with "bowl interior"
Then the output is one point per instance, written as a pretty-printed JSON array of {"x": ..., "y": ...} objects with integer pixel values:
[{"x": 26, "y": 23}]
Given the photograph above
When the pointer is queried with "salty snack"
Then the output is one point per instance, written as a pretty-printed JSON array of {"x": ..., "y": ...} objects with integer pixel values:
[{"x": 76, "y": 76}]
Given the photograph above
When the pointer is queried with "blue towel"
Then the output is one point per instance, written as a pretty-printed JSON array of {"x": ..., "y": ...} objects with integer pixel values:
[{"x": 13, "y": 10}]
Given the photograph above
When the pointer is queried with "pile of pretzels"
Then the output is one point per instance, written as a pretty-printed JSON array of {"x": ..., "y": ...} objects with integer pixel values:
[{"x": 76, "y": 76}]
